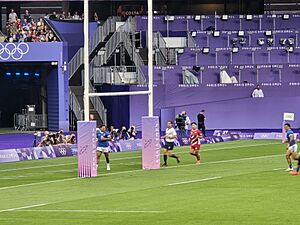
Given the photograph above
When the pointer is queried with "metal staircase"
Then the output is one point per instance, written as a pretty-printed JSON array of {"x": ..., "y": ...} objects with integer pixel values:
[
  {"x": 120, "y": 39},
  {"x": 103, "y": 45},
  {"x": 97, "y": 108}
]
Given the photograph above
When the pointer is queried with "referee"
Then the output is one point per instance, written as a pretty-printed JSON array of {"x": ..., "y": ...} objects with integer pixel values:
[
  {"x": 201, "y": 122},
  {"x": 170, "y": 137}
]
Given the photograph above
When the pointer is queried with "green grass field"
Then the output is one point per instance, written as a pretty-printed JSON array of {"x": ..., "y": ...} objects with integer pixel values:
[{"x": 240, "y": 182}]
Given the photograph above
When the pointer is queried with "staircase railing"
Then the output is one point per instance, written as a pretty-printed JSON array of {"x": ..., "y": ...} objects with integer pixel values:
[
  {"x": 98, "y": 36},
  {"x": 98, "y": 105},
  {"x": 112, "y": 44},
  {"x": 118, "y": 75},
  {"x": 161, "y": 48},
  {"x": 75, "y": 106},
  {"x": 191, "y": 43},
  {"x": 102, "y": 75}
]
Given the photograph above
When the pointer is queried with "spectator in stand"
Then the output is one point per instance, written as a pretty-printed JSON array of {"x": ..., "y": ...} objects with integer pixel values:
[
  {"x": 62, "y": 16},
  {"x": 54, "y": 15},
  {"x": 69, "y": 16},
  {"x": 76, "y": 16},
  {"x": 120, "y": 11},
  {"x": 12, "y": 17},
  {"x": 96, "y": 18},
  {"x": 25, "y": 31},
  {"x": 27, "y": 16},
  {"x": 258, "y": 92}
]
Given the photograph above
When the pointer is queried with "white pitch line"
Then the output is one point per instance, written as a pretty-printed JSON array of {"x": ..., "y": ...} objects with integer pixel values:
[
  {"x": 138, "y": 157},
  {"x": 91, "y": 211},
  {"x": 132, "y": 171},
  {"x": 278, "y": 169},
  {"x": 33, "y": 184},
  {"x": 20, "y": 208},
  {"x": 227, "y": 161},
  {"x": 194, "y": 181}
]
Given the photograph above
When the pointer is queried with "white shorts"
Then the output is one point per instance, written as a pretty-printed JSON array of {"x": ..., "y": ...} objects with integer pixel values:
[
  {"x": 103, "y": 149},
  {"x": 293, "y": 148}
]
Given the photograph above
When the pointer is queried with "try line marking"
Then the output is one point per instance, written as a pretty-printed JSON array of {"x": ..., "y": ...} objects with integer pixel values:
[
  {"x": 20, "y": 208},
  {"x": 90, "y": 211},
  {"x": 194, "y": 181},
  {"x": 140, "y": 170},
  {"x": 137, "y": 157}
]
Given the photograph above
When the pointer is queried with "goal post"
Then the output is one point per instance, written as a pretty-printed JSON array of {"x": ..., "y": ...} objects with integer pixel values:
[{"x": 150, "y": 124}]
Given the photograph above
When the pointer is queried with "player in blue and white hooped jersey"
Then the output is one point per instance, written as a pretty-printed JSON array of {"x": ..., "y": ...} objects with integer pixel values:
[
  {"x": 291, "y": 148},
  {"x": 103, "y": 137}
]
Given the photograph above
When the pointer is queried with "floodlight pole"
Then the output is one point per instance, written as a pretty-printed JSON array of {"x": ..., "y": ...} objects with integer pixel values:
[
  {"x": 150, "y": 58},
  {"x": 86, "y": 81}
]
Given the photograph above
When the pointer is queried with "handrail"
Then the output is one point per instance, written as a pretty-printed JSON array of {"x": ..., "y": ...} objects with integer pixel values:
[
  {"x": 75, "y": 106},
  {"x": 98, "y": 105},
  {"x": 75, "y": 62},
  {"x": 191, "y": 43},
  {"x": 99, "y": 36},
  {"x": 161, "y": 45}
]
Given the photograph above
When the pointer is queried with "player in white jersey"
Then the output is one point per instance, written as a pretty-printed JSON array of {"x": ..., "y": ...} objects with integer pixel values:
[{"x": 170, "y": 137}]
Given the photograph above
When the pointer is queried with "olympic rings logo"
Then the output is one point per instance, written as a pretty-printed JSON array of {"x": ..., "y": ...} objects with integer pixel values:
[{"x": 14, "y": 51}]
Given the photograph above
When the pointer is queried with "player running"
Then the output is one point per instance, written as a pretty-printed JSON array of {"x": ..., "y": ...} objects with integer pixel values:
[
  {"x": 195, "y": 137},
  {"x": 292, "y": 148},
  {"x": 170, "y": 137},
  {"x": 103, "y": 137}
]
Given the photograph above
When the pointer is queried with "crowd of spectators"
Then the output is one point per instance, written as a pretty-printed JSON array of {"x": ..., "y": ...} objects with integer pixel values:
[
  {"x": 66, "y": 16},
  {"x": 26, "y": 29}
]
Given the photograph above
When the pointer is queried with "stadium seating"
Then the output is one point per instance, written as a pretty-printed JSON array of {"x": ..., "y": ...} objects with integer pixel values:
[{"x": 249, "y": 41}]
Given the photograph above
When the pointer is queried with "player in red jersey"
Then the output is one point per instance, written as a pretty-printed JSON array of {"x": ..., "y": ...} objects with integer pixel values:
[{"x": 195, "y": 142}]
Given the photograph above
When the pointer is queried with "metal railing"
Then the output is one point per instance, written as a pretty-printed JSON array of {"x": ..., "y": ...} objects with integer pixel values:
[
  {"x": 75, "y": 106},
  {"x": 101, "y": 33},
  {"x": 112, "y": 44},
  {"x": 191, "y": 43},
  {"x": 172, "y": 56},
  {"x": 135, "y": 56},
  {"x": 118, "y": 75},
  {"x": 98, "y": 105},
  {"x": 75, "y": 62},
  {"x": 101, "y": 75},
  {"x": 161, "y": 49},
  {"x": 30, "y": 122}
]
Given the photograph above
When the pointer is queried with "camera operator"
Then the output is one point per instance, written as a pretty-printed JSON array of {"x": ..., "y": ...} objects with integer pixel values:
[
  {"x": 71, "y": 139},
  {"x": 187, "y": 122},
  {"x": 61, "y": 139},
  {"x": 123, "y": 133},
  {"x": 46, "y": 140},
  {"x": 132, "y": 133},
  {"x": 180, "y": 123},
  {"x": 113, "y": 133}
]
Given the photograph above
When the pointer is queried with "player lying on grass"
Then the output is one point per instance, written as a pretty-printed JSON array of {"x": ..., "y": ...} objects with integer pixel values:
[
  {"x": 195, "y": 137},
  {"x": 291, "y": 149},
  {"x": 103, "y": 137},
  {"x": 170, "y": 137}
]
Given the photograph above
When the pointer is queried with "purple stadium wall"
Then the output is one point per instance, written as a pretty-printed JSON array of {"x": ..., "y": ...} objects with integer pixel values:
[{"x": 226, "y": 107}]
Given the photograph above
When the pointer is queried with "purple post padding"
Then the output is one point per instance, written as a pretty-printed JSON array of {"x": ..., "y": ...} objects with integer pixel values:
[
  {"x": 87, "y": 161},
  {"x": 150, "y": 143}
]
